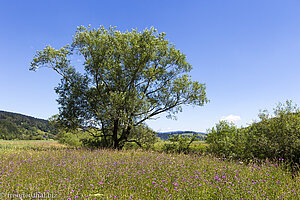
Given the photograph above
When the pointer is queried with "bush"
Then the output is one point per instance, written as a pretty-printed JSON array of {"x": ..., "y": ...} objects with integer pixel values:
[
  {"x": 179, "y": 144},
  {"x": 198, "y": 147},
  {"x": 226, "y": 140},
  {"x": 278, "y": 135},
  {"x": 275, "y": 136},
  {"x": 69, "y": 138},
  {"x": 143, "y": 136},
  {"x": 140, "y": 137}
]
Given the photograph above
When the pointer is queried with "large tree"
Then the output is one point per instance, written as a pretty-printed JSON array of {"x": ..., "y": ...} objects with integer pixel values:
[{"x": 129, "y": 77}]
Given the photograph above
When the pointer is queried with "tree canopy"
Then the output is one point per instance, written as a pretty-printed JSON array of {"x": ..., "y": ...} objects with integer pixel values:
[{"x": 129, "y": 77}]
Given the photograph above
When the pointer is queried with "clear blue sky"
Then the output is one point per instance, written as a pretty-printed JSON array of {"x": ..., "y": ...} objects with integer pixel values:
[{"x": 247, "y": 52}]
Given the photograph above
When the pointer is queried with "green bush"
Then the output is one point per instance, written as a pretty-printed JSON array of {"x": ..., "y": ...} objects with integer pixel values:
[
  {"x": 278, "y": 135},
  {"x": 92, "y": 142},
  {"x": 199, "y": 148},
  {"x": 179, "y": 144},
  {"x": 275, "y": 136},
  {"x": 142, "y": 137},
  {"x": 226, "y": 140},
  {"x": 72, "y": 139}
]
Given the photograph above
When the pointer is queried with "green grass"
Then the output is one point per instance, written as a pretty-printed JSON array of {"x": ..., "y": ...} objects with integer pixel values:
[
  {"x": 48, "y": 167},
  {"x": 196, "y": 147},
  {"x": 13, "y": 145}
]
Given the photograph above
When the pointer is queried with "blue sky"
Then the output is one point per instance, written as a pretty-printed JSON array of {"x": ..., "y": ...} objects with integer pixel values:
[{"x": 247, "y": 52}]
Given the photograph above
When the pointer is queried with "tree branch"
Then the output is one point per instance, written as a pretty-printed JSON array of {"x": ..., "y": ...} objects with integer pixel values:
[
  {"x": 158, "y": 111},
  {"x": 135, "y": 142}
]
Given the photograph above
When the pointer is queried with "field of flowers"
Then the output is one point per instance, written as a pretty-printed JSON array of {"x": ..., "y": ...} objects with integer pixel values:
[{"x": 63, "y": 173}]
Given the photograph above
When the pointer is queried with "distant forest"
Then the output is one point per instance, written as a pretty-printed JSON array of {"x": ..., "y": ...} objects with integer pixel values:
[
  {"x": 166, "y": 135},
  {"x": 17, "y": 126},
  {"x": 22, "y": 127}
]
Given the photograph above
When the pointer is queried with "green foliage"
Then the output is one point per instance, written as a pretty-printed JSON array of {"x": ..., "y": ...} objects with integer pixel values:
[
  {"x": 140, "y": 136},
  {"x": 129, "y": 77},
  {"x": 91, "y": 142},
  {"x": 275, "y": 136},
  {"x": 8, "y": 130},
  {"x": 179, "y": 144},
  {"x": 74, "y": 137},
  {"x": 70, "y": 138},
  {"x": 143, "y": 136},
  {"x": 17, "y": 126},
  {"x": 199, "y": 147},
  {"x": 225, "y": 139},
  {"x": 221, "y": 138}
]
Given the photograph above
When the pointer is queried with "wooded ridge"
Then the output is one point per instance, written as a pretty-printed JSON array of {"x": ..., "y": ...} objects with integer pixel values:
[{"x": 18, "y": 126}]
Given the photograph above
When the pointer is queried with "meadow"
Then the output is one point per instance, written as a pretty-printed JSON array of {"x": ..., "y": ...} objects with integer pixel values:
[{"x": 48, "y": 169}]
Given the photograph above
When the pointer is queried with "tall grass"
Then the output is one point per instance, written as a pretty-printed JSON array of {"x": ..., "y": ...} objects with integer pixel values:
[
  {"x": 102, "y": 174},
  {"x": 13, "y": 145}
]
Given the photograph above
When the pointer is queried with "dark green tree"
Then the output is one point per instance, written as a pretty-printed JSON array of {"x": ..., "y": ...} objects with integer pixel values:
[
  {"x": 129, "y": 77},
  {"x": 8, "y": 130}
]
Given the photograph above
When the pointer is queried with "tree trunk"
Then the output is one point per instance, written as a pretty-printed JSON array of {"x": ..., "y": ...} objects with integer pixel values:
[
  {"x": 124, "y": 136},
  {"x": 115, "y": 134}
]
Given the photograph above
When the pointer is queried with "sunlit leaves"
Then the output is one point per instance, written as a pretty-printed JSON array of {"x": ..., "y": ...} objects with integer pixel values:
[{"x": 129, "y": 77}]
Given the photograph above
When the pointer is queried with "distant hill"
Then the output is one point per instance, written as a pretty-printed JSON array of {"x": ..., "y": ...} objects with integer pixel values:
[
  {"x": 165, "y": 135},
  {"x": 18, "y": 126}
]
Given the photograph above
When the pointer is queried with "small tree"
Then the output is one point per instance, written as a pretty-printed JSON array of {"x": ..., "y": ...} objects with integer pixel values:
[
  {"x": 179, "y": 143},
  {"x": 129, "y": 78},
  {"x": 225, "y": 139}
]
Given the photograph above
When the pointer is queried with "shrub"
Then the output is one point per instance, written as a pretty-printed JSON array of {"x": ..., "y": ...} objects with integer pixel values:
[
  {"x": 72, "y": 139},
  {"x": 275, "y": 136},
  {"x": 179, "y": 144},
  {"x": 141, "y": 136},
  {"x": 226, "y": 140},
  {"x": 278, "y": 135}
]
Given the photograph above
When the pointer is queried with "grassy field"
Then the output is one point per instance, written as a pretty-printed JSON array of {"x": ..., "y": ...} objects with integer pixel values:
[
  {"x": 49, "y": 169},
  {"x": 30, "y": 145}
]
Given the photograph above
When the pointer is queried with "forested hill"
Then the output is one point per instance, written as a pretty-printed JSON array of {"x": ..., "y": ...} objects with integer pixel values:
[
  {"x": 166, "y": 135},
  {"x": 18, "y": 126}
]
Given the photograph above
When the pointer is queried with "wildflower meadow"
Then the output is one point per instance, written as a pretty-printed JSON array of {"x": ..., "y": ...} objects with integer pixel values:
[{"x": 54, "y": 171}]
